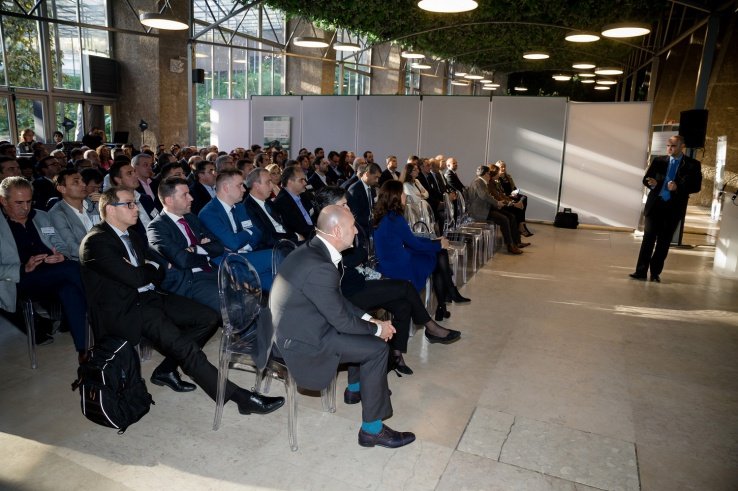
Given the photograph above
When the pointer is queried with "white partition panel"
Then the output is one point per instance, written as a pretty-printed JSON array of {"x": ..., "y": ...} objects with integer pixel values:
[
  {"x": 604, "y": 162},
  {"x": 455, "y": 126},
  {"x": 329, "y": 122},
  {"x": 528, "y": 134},
  {"x": 388, "y": 125},
  {"x": 230, "y": 123},
  {"x": 277, "y": 105}
]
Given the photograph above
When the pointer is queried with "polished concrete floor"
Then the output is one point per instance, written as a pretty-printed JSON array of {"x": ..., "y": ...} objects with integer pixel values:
[{"x": 569, "y": 376}]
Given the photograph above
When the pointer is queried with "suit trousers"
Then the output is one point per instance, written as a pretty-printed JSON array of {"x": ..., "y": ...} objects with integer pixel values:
[
  {"x": 508, "y": 225},
  {"x": 177, "y": 327},
  {"x": 62, "y": 280},
  {"x": 398, "y": 297},
  {"x": 370, "y": 354},
  {"x": 660, "y": 225}
]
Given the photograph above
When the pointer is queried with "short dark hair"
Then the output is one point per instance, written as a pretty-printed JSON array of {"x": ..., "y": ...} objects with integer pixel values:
[
  {"x": 482, "y": 170},
  {"x": 91, "y": 175},
  {"x": 60, "y": 178},
  {"x": 254, "y": 176},
  {"x": 167, "y": 168},
  {"x": 327, "y": 195},
  {"x": 318, "y": 149},
  {"x": 7, "y": 158},
  {"x": 114, "y": 171},
  {"x": 227, "y": 174},
  {"x": 367, "y": 153},
  {"x": 107, "y": 197},
  {"x": 289, "y": 173},
  {"x": 43, "y": 163},
  {"x": 168, "y": 187}
]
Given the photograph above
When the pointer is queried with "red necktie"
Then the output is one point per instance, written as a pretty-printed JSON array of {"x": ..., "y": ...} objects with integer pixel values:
[{"x": 190, "y": 235}]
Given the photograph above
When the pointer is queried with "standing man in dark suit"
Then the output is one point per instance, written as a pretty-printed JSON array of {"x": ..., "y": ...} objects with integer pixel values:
[
  {"x": 671, "y": 180},
  {"x": 435, "y": 194},
  {"x": 182, "y": 240},
  {"x": 261, "y": 211},
  {"x": 121, "y": 274},
  {"x": 317, "y": 328},
  {"x": 361, "y": 196},
  {"x": 203, "y": 189},
  {"x": 451, "y": 178},
  {"x": 390, "y": 172},
  {"x": 294, "y": 210}
]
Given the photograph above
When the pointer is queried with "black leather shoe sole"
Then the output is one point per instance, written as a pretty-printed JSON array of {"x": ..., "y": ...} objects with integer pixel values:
[{"x": 636, "y": 276}]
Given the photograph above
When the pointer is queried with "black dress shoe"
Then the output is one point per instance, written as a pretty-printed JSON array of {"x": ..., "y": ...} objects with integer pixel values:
[
  {"x": 449, "y": 338},
  {"x": 638, "y": 276},
  {"x": 441, "y": 313},
  {"x": 457, "y": 298},
  {"x": 259, "y": 404},
  {"x": 351, "y": 397},
  {"x": 386, "y": 438},
  {"x": 172, "y": 380},
  {"x": 656, "y": 278}
]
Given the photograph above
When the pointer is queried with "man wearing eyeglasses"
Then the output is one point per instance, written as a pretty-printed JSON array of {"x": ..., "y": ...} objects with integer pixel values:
[
  {"x": 121, "y": 275},
  {"x": 671, "y": 179},
  {"x": 203, "y": 190},
  {"x": 289, "y": 203}
]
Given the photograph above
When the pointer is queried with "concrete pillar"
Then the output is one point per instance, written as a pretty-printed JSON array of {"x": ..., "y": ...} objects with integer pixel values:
[{"x": 309, "y": 72}]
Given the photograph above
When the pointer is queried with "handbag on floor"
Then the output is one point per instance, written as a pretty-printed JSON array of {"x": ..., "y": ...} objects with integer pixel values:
[
  {"x": 566, "y": 219},
  {"x": 112, "y": 392}
]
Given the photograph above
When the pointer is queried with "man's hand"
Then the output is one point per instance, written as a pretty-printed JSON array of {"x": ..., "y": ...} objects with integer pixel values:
[
  {"x": 55, "y": 257},
  {"x": 671, "y": 186},
  {"x": 34, "y": 261},
  {"x": 204, "y": 240},
  {"x": 388, "y": 330},
  {"x": 444, "y": 243},
  {"x": 651, "y": 182}
]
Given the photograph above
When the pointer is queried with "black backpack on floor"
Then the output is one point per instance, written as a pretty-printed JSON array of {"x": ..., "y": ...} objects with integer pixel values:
[{"x": 111, "y": 389}]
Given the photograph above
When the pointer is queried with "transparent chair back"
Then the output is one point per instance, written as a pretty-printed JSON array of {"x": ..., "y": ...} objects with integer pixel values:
[{"x": 280, "y": 251}]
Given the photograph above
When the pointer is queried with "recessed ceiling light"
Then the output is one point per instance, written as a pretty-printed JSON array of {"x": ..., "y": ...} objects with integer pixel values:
[
  {"x": 473, "y": 76},
  {"x": 421, "y": 66},
  {"x": 520, "y": 88},
  {"x": 626, "y": 30},
  {"x": 448, "y": 6},
  {"x": 587, "y": 75},
  {"x": 582, "y": 37},
  {"x": 412, "y": 56},
  {"x": 602, "y": 87},
  {"x": 608, "y": 71},
  {"x": 587, "y": 81},
  {"x": 535, "y": 55},
  {"x": 606, "y": 82},
  {"x": 161, "y": 21},
  {"x": 561, "y": 77},
  {"x": 583, "y": 65},
  {"x": 310, "y": 42},
  {"x": 350, "y": 47}
]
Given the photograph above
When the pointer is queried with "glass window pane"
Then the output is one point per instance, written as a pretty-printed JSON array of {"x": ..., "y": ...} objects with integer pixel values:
[
  {"x": 22, "y": 53},
  {"x": 93, "y": 12},
  {"x": 95, "y": 42},
  {"x": 239, "y": 64},
  {"x": 71, "y": 111},
  {"x": 64, "y": 9},
  {"x": 4, "y": 120},
  {"x": 108, "y": 127},
  {"x": 66, "y": 57},
  {"x": 220, "y": 72},
  {"x": 29, "y": 113}
]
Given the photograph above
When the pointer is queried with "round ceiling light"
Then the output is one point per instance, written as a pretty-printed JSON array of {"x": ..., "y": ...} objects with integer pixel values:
[
  {"x": 310, "y": 42},
  {"x": 448, "y": 6},
  {"x": 161, "y": 21},
  {"x": 459, "y": 74},
  {"x": 626, "y": 30},
  {"x": 488, "y": 87},
  {"x": 421, "y": 66},
  {"x": 412, "y": 56},
  {"x": 608, "y": 70},
  {"x": 606, "y": 82},
  {"x": 459, "y": 83},
  {"x": 582, "y": 37},
  {"x": 349, "y": 47},
  {"x": 493, "y": 85},
  {"x": 602, "y": 87},
  {"x": 560, "y": 77},
  {"x": 586, "y": 75},
  {"x": 535, "y": 55},
  {"x": 520, "y": 88},
  {"x": 587, "y": 81},
  {"x": 485, "y": 81},
  {"x": 473, "y": 76},
  {"x": 583, "y": 65}
]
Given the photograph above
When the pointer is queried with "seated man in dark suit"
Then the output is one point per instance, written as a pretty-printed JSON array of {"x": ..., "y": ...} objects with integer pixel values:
[
  {"x": 121, "y": 174},
  {"x": 261, "y": 211},
  {"x": 43, "y": 186},
  {"x": 317, "y": 328},
  {"x": 361, "y": 196},
  {"x": 121, "y": 274},
  {"x": 295, "y": 211},
  {"x": 179, "y": 236},
  {"x": 203, "y": 190},
  {"x": 226, "y": 218},
  {"x": 390, "y": 172},
  {"x": 320, "y": 178},
  {"x": 143, "y": 165}
]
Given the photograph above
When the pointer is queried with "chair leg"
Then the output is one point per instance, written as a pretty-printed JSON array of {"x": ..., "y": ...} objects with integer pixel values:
[
  {"x": 30, "y": 331},
  {"x": 328, "y": 397},
  {"x": 225, "y": 357},
  {"x": 291, "y": 387}
]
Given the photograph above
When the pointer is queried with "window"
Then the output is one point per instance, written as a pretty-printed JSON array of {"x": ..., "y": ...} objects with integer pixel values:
[{"x": 353, "y": 68}]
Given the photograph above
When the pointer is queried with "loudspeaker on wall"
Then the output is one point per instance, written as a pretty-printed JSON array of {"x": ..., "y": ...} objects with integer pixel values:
[
  {"x": 198, "y": 76},
  {"x": 693, "y": 127}
]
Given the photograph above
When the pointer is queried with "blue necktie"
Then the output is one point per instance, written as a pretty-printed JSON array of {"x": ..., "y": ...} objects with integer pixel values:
[{"x": 670, "y": 175}]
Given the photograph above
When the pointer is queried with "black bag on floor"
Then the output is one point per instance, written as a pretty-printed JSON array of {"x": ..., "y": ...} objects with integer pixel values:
[
  {"x": 566, "y": 219},
  {"x": 111, "y": 389}
]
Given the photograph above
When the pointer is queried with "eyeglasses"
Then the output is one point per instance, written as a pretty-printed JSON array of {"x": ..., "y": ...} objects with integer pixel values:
[{"x": 131, "y": 205}]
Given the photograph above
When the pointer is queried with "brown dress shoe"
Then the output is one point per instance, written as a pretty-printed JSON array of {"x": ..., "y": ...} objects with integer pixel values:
[{"x": 513, "y": 250}]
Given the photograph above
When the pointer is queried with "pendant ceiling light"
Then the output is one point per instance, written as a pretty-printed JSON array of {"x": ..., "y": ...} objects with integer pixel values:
[
  {"x": 412, "y": 55},
  {"x": 485, "y": 81},
  {"x": 473, "y": 76},
  {"x": 606, "y": 82},
  {"x": 310, "y": 42},
  {"x": 493, "y": 85},
  {"x": 583, "y": 65},
  {"x": 421, "y": 66},
  {"x": 162, "y": 22},
  {"x": 582, "y": 37},
  {"x": 626, "y": 30},
  {"x": 560, "y": 77},
  {"x": 587, "y": 75},
  {"x": 587, "y": 81},
  {"x": 459, "y": 83},
  {"x": 488, "y": 87},
  {"x": 602, "y": 87},
  {"x": 535, "y": 55},
  {"x": 608, "y": 70},
  {"x": 459, "y": 74},
  {"x": 348, "y": 47},
  {"x": 520, "y": 88},
  {"x": 448, "y": 6}
]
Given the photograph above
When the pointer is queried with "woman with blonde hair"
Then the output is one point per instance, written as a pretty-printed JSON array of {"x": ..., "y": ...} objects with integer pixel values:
[{"x": 275, "y": 176}]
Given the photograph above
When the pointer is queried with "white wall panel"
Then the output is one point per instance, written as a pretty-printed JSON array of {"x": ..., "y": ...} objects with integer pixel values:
[
  {"x": 528, "y": 134},
  {"x": 455, "y": 127},
  {"x": 388, "y": 125},
  {"x": 277, "y": 105},
  {"x": 329, "y": 122},
  {"x": 230, "y": 123},
  {"x": 604, "y": 162}
]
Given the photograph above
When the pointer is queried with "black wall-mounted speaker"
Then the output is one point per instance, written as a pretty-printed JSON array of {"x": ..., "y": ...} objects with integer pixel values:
[
  {"x": 198, "y": 76},
  {"x": 693, "y": 127}
]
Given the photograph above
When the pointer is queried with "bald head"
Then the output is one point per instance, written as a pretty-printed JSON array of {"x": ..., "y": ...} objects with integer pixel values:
[{"x": 336, "y": 225}]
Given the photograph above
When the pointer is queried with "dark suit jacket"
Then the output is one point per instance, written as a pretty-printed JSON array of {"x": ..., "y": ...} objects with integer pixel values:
[
  {"x": 435, "y": 195},
  {"x": 445, "y": 188},
  {"x": 688, "y": 180},
  {"x": 349, "y": 182},
  {"x": 269, "y": 235},
  {"x": 358, "y": 202},
  {"x": 335, "y": 176},
  {"x": 200, "y": 197},
  {"x": 167, "y": 239},
  {"x": 154, "y": 185},
  {"x": 309, "y": 313},
  {"x": 453, "y": 180},
  {"x": 43, "y": 191},
  {"x": 317, "y": 183},
  {"x": 292, "y": 218},
  {"x": 386, "y": 176},
  {"x": 111, "y": 282}
]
